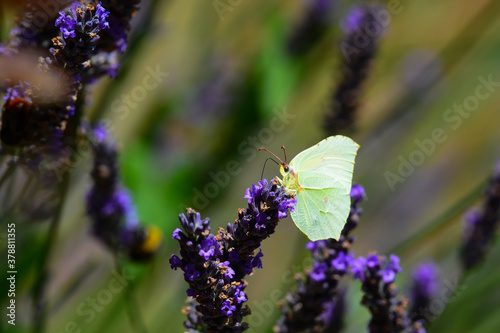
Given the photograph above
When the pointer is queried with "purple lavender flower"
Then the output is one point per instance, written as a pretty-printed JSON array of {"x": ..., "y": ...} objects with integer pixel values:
[
  {"x": 303, "y": 309},
  {"x": 357, "y": 193},
  {"x": 80, "y": 29},
  {"x": 424, "y": 289},
  {"x": 108, "y": 203},
  {"x": 113, "y": 41},
  {"x": 214, "y": 266},
  {"x": 377, "y": 275},
  {"x": 354, "y": 19},
  {"x": 482, "y": 224},
  {"x": 359, "y": 24}
]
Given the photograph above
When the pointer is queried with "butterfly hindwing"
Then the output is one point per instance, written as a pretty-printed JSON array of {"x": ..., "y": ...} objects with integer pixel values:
[{"x": 323, "y": 205}]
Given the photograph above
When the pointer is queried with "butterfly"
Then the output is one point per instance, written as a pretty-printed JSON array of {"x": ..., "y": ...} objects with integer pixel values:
[{"x": 320, "y": 177}]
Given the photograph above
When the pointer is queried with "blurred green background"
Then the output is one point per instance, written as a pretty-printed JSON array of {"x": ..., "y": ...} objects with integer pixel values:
[{"x": 229, "y": 77}]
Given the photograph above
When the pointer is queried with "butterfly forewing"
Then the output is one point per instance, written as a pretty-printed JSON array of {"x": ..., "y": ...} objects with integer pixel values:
[{"x": 332, "y": 157}]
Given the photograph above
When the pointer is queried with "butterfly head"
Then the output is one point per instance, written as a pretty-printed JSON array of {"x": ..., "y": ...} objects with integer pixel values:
[{"x": 285, "y": 169}]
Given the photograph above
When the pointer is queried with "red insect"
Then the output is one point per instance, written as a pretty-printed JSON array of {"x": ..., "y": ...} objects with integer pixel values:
[{"x": 15, "y": 115}]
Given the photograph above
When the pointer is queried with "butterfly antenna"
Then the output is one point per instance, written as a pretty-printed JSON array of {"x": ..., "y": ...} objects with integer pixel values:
[
  {"x": 279, "y": 159},
  {"x": 264, "y": 167},
  {"x": 284, "y": 151}
]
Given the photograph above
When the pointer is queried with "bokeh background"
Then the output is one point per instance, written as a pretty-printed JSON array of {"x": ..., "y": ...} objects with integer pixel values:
[{"x": 230, "y": 74}]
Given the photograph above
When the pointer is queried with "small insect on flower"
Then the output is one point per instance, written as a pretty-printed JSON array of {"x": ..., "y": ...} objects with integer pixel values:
[
  {"x": 145, "y": 243},
  {"x": 15, "y": 115},
  {"x": 320, "y": 177}
]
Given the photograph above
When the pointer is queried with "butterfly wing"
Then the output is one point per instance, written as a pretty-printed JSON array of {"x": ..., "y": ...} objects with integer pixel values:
[
  {"x": 324, "y": 174},
  {"x": 332, "y": 157},
  {"x": 323, "y": 205}
]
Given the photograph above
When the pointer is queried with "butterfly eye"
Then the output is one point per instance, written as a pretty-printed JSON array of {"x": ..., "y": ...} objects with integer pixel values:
[{"x": 286, "y": 168}]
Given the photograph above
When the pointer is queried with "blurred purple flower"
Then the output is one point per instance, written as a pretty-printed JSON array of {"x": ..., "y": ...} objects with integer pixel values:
[
  {"x": 482, "y": 224},
  {"x": 358, "y": 25},
  {"x": 423, "y": 290}
]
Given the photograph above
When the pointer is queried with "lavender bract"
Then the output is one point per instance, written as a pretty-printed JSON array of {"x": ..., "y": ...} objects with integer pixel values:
[
  {"x": 316, "y": 293},
  {"x": 215, "y": 265}
]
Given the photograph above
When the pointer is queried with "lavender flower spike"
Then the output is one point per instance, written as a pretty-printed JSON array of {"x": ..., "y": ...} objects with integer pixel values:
[
  {"x": 360, "y": 23},
  {"x": 80, "y": 30},
  {"x": 115, "y": 221},
  {"x": 377, "y": 275},
  {"x": 482, "y": 225},
  {"x": 214, "y": 266},
  {"x": 318, "y": 290}
]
